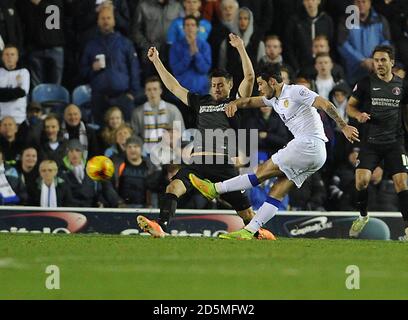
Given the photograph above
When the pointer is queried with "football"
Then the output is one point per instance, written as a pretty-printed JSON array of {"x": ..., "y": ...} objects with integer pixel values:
[{"x": 100, "y": 168}]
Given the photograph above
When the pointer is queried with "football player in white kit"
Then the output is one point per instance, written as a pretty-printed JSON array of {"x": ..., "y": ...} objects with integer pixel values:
[{"x": 303, "y": 156}]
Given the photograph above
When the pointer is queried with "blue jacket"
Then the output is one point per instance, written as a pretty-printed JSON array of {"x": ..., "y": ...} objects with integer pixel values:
[
  {"x": 356, "y": 45},
  {"x": 121, "y": 74},
  {"x": 191, "y": 71},
  {"x": 176, "y": 30}
]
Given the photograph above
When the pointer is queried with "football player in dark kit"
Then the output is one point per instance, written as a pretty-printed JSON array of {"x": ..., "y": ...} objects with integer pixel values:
[
  {"x": 211, "y": 116},
  {"x": 379, "y": 103}
]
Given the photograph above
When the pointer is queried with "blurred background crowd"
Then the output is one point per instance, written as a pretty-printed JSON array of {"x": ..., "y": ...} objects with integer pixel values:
[{"x": 75, "y": 82}]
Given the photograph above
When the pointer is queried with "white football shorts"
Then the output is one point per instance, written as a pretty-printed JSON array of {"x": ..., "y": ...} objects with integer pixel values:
[{"x": 301, "y": 158}]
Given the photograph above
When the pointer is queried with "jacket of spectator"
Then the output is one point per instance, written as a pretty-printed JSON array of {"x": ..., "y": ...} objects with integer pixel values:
[
  {"x": 191, "y": 71},
  {"x": 63, "y": 193},
  {"x": 263, "y": 11},
  {"x": 13, "y": 97},
  {"x": 10, "y": 25},
  {"x": 76, "y": 132},
  {"x": 29, "y": 180},
  {"x": 58, "y": 154},
  {"x": 15, "y": 182},
  {"x": 122, "y": 66},
  {"x": 29, "y": 131},
  {"x": 151, "y": 20},
  {"x": 300, "y": 31},
  {"x": 176, "y": 30},
  {"x": 8, "y": 140},
  {"x": 37, "y": 35},
  {"x": 356, "y": 45}
]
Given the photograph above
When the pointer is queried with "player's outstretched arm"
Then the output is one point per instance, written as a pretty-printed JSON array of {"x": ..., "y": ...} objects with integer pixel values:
[
  {"x": 353, "y": 112},
  {"x": 350, "y": 132},
  {"x": 246, "y": 86},
  {"x": 243, "y": 103},
  {"x": 169, "y": 81}
]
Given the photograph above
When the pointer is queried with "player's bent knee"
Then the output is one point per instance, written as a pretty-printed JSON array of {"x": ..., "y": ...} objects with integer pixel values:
[
  {"x": 400, "y": 183},
  {"x": 176, "y": 187},
  {"x": 267, "y": 170}
]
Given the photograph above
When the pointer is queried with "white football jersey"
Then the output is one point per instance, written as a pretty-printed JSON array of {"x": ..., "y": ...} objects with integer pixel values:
[{"x": 295, "y": 108}]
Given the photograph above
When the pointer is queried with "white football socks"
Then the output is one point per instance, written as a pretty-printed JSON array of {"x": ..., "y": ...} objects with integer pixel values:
[
  {"x": 265, "y": 213},
  {"x": 238, "y": 183}
]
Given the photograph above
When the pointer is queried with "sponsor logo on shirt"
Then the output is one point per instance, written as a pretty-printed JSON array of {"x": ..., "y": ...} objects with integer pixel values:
[
  {"x": 218, "y": 108},
  {"x": 286, "y": 103}
]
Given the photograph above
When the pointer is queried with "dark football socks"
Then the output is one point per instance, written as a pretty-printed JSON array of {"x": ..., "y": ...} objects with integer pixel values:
[
  {"x": 403, "y": 202},
  {"x": 362, "y": 202},
  {"x": 167, "y": 210}
]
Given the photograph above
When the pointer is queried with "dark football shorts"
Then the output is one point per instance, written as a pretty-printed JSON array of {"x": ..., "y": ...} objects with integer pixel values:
[
  {"x": 394, "y": 156},
  {"x": 215, "y": 173}
]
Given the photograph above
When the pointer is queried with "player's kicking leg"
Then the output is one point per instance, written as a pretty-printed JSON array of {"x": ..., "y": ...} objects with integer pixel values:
[
  {"x": 243, "y": 182},
  {"x": 363, "y": 177},
  {"x": 167, "y": 210},
  {"x": 401, "y": 188}
]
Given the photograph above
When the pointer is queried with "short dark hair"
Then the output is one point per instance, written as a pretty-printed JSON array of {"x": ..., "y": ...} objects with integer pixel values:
[
  {"x": 191, "y": 17},
  {"x": 10, "y": 45},
  {"x": 323, "y": 54},
  {"x": 220, "y": 73},
  {"x": 271, "y": 70},
  {"x": 386, "y": 49},
  {"x": 153, "y": 79}
]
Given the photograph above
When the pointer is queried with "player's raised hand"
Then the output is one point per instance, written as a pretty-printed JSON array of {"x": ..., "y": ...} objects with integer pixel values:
[
  {"x": 153, "y": 54},
  {"x": 363, "y": 117},
  {"x": 235, "y": 41},
  {"x": 351, "y": 133},
  {"x": 230, "y": 109}
]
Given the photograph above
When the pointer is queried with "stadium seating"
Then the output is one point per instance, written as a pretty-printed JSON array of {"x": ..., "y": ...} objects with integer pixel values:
[
  {"x": 81, "y": 96},
  {"x": 53, "y": 97}
]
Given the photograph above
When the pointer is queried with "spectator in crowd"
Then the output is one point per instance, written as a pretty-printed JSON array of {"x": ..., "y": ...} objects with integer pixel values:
[
  {"x": 302, "y": 28},
  {"x": 286, "y": 76},
  {"x": 117, "y": 151},
  {"x": 53, "y": 144},
  {"x": 321, "y": 45},
  {"x": 324, "y": 81},
  {"x": 12, "y": 189},
  {"x": 28, "y": 170},
  {"x": 151, "y": 20},
  {"x": 339, "y": 97},
  {"x": 10, "y": 25},
  {"x": 14, "y": 86},
  {"x": 29, "y": 131},
  {"x": 356, "y": 45},
  {"x": 44, "y": 39},
  {"x": 52, "y": 191},
  {"x": 273, "y": 54},
  {"x": 85, "y": 14},
  {"x": 263, "y": 11},
  {"x": 220, "y": 31},
  {"x": 229, "y": 58},
  {"x": 176, "y": 29},
  {"x": 8, "y": 140},
  {"x": 150, "y": 120},
  {"x": 134, "y": 176},
  {"x": 284, "y": 9},
  {"x": 85, "y": 192},
  {"x": 211, "y": 10},
  {"x": 272, "y": 132},
  {"x": 111, "y": 66},
  {"x": 113, "y": 120},
  {"x": 74, "y": 128},
  {"x": 190, "y": 59},
  {"x": 310, "y": 197}
]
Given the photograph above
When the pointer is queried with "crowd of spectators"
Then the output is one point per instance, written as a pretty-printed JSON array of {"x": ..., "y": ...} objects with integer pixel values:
[{"x": 104, "y": 44}]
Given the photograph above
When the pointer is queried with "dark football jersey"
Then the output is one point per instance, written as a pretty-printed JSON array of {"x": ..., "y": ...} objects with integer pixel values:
[{"x": 382, "y": 100}]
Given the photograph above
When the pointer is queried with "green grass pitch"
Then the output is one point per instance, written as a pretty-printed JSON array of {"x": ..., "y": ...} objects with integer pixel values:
[{"x": 119, "y": 267}]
